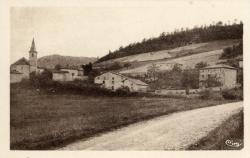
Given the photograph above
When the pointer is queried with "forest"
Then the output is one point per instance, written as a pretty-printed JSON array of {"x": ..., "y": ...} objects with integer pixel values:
[{"x": 179, "y": 37}]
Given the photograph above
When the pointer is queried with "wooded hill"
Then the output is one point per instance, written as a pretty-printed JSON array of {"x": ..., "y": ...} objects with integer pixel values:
[{"x": 178, "y": 38}]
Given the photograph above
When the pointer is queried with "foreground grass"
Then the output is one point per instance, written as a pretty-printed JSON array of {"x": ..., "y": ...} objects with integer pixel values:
[
  {"x": 42, "y": 121},
  {"x": 231, "y": 130}
]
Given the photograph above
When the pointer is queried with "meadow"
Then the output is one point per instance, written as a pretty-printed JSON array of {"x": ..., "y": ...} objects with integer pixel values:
[{"x": 39, "y": 120}]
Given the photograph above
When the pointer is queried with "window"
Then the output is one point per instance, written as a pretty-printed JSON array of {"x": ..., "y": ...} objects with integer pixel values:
[
  {"x": 113, "y": 78},
  {"x": 32, "y": 54},
  {"x": 113, "y": 82},
  {"x": 73, "y": 74},
  {"x": 112, "y": 87},
  {"x": 103, "y": 82}
]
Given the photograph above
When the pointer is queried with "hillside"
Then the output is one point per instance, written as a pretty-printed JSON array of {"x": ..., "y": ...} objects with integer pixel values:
[
  {"x": 52, "y": 60},
  {"x": 179, "y": 38},
  {"x": 187, "y": 56}
]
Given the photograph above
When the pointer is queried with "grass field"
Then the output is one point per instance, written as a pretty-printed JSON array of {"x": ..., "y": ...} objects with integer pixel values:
[
  {"x": 231, "y": 130},
  {"x": 42, "y": 121}
]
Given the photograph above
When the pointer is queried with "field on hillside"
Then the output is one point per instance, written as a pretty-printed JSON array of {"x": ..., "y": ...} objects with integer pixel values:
[
  {"x": 177, "y": 52},
  {"x": 42, "y": 121},
  {"x": 207, "y": 52}
]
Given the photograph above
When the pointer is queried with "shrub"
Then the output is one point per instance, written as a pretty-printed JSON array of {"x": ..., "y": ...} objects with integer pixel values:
[
  {"x": 206, "y": 94},
  {"x": 210, "y": 94},
  {"x": 123, "y": 91},
  {"x": 232, "y": 94}
]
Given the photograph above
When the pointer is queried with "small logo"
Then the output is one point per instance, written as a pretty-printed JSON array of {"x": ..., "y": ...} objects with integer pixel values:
[{"x": 233, "y": 143}]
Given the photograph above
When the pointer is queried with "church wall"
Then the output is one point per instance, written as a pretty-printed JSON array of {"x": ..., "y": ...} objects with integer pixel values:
[
  {"x": 15, "y": 78},
  {"x": 25, "y": 69}
]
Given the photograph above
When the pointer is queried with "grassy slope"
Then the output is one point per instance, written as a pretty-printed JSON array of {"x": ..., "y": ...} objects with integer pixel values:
[
  {"x": 182, "y": 51},
  {"x": 41, "y": 121},
  {"x": 231, "y": 129}
]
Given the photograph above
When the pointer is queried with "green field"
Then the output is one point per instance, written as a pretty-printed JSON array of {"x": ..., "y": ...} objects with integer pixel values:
[{"x": 42, "y": 121}]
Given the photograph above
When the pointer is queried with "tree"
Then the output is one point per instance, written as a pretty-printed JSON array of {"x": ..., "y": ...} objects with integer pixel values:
[
  {"x": 153, "y": 71},
  {"x": 190, "y": 79},
  {"x": 58, "y": 67},
  {"x": 87, "y": 68},
  {"x": 212, "y": 81},
  {"x": 115, "y": 66},
  {"x": 92, "y": 75},
  {"x": 201, "y": 65},
  {"x": 127, "y": 65}
]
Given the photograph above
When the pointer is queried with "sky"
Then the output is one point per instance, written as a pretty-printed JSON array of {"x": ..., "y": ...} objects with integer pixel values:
[{"x": 93, "y": 31}]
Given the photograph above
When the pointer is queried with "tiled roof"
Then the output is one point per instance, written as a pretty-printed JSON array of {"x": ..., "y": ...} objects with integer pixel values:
[
  {"x": 21, "y": 61},
  {"x": 219, "y": 66}
]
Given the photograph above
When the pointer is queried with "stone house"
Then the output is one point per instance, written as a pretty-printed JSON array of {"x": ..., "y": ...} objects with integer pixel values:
[
  {"x": 225, "y": 74},
  {"x": 113, "y": 81}
]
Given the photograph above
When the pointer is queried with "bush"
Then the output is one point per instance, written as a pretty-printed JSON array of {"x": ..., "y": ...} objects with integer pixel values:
[
  {"x": 206, "y": 94},
  {"x": 232, "y": 94},
  {"x": 41, "y": 80},
  {"x": 123, "y": 91},
  {"x": 210, "y": 94}
]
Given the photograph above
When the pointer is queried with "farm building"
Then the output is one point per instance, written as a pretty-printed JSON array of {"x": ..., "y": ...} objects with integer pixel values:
[
  {"x": 113, "y": 81},
  {"x": 68, "y": 74},
  {"x": 62, "y": 76},
  {"x": 225, "y": 74},
  {"x": 71, "y": 71}
]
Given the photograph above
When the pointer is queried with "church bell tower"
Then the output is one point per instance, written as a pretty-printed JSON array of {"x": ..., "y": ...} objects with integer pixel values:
[{"x": 33, "y": 57}]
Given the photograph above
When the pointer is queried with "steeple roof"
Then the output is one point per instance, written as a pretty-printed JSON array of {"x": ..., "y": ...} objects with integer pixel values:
[{"x": 33, "y": 46}]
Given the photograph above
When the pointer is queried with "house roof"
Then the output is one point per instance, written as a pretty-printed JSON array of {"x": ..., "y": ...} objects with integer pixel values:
[
  {"x": 135, "y": 81},
  {"x": 219, "y": 66},
  {"x": 21, "y": 61},
  {"x": 60, "y": 72},
  {"x": 15, "y": 72},
  {"x": 138, "y": 82}
]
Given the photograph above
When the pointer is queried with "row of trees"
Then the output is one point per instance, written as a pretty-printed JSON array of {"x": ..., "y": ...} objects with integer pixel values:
[
  {"x": 179, "y": 38},
  {"x": 176, "y": 78},
  {"x": 232, "y": 52}
]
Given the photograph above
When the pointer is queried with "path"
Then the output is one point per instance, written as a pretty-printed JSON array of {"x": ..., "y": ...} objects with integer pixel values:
[{"x": 170, "y": 132}]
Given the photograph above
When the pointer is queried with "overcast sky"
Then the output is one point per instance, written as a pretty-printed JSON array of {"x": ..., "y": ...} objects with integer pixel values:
[{"x": 93, "y": 31}]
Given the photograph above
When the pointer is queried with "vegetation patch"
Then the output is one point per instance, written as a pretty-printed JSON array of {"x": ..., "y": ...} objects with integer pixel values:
[
  {"x": 228, "y": 136},
  {"x": 39, "y": 120}
]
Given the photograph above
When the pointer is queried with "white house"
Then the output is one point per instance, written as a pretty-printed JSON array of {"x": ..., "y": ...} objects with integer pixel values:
[
  {"x": 113, "y": 81},
  {"x": 227, "y": 75},
  {"x": 62, "y": 76},
  {"x": 71, "y": 71}
]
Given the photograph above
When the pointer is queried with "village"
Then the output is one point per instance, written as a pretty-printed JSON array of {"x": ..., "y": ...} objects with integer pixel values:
[
  {"x": 110, "y": 79},
  {"x": 216, "y": 77}
]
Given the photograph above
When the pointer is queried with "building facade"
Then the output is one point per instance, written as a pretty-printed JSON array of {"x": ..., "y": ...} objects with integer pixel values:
[
  {"x": 62, "y": 76},
  {"x": 114, "y": 81},
  {"x": 225, "y": 74}
]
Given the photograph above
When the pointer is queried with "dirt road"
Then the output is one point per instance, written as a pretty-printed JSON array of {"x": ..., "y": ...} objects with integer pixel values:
[{"x": 172, "y": 132}]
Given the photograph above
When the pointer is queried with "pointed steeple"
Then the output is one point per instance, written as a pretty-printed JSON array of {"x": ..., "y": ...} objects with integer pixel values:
[{"x": 33, "y": 46}]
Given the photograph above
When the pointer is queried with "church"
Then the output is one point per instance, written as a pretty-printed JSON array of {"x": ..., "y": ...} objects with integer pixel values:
[{"x": 22, "y": 68}]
